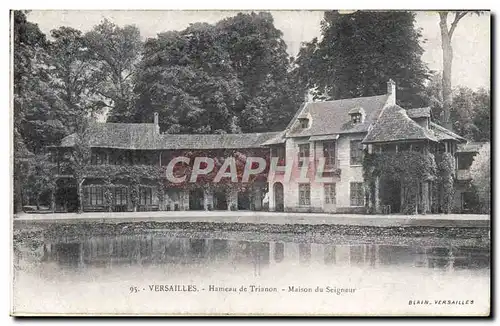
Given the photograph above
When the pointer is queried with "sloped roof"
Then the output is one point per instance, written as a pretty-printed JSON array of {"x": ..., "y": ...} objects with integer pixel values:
[
  {"x": 441, "y": 133},
  {"x": 203, "y": 141},
  {"x": 395, "y": 125},
  {"x": 143, "y": 136},
  {"x": 419, "y": 113},
  {"x": 118, "y": 135},
  {"x": 332, "y": 117},
  {"x": 279, "y": 138},
  {"x": 471, "y": 147}
]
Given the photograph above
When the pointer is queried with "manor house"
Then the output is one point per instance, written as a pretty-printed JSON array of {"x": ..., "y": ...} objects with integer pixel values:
[{"x": 328, "y": 137}]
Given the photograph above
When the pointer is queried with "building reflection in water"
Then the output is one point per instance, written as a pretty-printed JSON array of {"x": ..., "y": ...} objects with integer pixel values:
[{"x": 158, "y": 250}]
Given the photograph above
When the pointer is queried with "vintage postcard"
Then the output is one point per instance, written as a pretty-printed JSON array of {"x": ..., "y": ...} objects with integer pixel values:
[{"x": 299, "y": 162}]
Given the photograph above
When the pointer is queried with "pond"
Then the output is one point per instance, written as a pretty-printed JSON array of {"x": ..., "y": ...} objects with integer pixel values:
[{"x": 194, "y": 272}]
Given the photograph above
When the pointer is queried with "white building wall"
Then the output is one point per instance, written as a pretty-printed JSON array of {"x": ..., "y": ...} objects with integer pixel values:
[
  {"x": 349, "y": 173},
  {"x": 291, "y": 187}
]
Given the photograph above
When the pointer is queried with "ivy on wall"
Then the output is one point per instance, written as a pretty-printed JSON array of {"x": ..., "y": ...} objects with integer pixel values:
[
  {"x": 408, "y": 168},
  {"x": 446, "y": 174}
]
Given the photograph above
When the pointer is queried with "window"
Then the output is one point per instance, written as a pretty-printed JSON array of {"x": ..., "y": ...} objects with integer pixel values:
[
  {"x": 303, "y": 153},
  {"x": 98, "y": 158},
  {"x": 403, "y": 147},
  {"x": 146, "y": 196},
  {"x": 329, "y": 153},
  {"x": 279, "y": 152},
  {"x": 356, "y": 152},
  {"x": 356, "y": 118},
  {"x": 330, "y": 196},
  {"x": 304, "y": 123},
  {"x": 304, "y": 194},
  {"x": 94, "y": 195},
  {"x": 417, "y": 147},
  {"x": 120, "y": 196},
  {"x": 357, "y": 194}
]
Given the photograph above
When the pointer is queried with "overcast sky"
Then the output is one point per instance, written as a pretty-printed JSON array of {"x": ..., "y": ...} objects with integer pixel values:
[{"x": 471, "y": 40}]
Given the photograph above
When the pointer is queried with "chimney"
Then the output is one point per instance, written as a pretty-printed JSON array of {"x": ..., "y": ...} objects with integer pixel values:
[
  {"x": 156, "y": 122},
  {"x": 391, "y": 91}
]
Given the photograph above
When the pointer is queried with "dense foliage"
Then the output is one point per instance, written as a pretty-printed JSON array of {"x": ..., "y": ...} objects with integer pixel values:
[
  {"x": 359, "y": 52},
  {"x": 444, "y": 185},
  {"x": 481, "y": 176},
  {"x": 394, "y": 166},
  {"x": 225, "y": 78},
  {"x": 229, "y": 77},
  {"x": 470, "y": 109}
]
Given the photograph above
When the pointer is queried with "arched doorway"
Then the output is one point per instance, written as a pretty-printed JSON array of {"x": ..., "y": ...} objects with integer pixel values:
[{"x": 278, "y": 197}]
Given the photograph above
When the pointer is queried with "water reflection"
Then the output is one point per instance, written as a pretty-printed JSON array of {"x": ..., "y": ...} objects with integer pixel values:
[{"x": 153, "y": 249}]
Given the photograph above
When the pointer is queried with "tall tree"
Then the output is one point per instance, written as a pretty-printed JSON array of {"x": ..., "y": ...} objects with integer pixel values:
[
  {"x": 482, "y": 114},
  {"x": 229, "y": 77},
  {"x": 259, "y": 57},
  {"x": 470, "y": 113},
  {"x": 36, "y": 107},
  {"x": 462, "y": 113},
  {"x": 359, "y": 52},
  {"x": 74, "y": 76},
  {"x": 446, "y": 36},
  {"x": 116, "y": 51},
  {"x": 186, "y": 76}
]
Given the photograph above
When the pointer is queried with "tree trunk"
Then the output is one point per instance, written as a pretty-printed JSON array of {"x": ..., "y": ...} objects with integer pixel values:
[{"x": 447, "y": 61}]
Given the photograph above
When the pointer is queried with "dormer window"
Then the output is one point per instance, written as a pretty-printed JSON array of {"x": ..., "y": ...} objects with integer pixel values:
[
  {"x": 356, "y": 118},
  {"x": 304, "y": 123},
  {"x": 357, "y": 115}
]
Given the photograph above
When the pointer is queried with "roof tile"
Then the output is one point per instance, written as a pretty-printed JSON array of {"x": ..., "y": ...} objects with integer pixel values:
[
  {"x": 144, "y": 136},
  {"x": 332, "y": 117},
  {"x": 395, "y": 125}
]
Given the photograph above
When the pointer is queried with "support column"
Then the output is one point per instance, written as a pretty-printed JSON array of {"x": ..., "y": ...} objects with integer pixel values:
[
  {"x": 207, "y": 199},
  {"x": 377, "y": 195},
  {"x": 425, "y": 197},
  {"x": 270, "y": 198},
  {"x": 232, "y": 198}
]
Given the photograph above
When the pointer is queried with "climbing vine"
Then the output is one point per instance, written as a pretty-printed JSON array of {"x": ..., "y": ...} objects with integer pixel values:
[
  {"x": 396, "y": 166},
  {"x": 446, "y": 174},
  {"x": 108, "y": 194}
]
